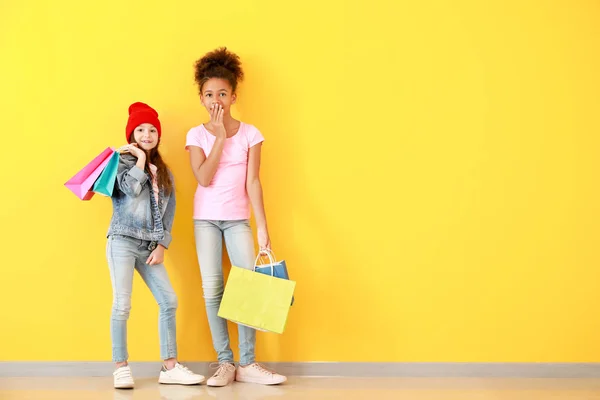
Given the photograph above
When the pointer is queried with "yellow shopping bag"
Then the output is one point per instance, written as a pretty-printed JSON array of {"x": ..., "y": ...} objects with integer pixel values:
[{"x": 256, "y": 300}]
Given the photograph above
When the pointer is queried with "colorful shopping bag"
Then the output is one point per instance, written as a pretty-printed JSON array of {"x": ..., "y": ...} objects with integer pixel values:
[
  {"x": 256, "y": 300},
  {"x": 82, "y": 182},
  {"x": 275, "y": 268},
  {"x": 105, "y": 184}
]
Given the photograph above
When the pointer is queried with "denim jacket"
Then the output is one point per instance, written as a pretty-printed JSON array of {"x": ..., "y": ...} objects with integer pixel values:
[{"x": 135, "y": 212}]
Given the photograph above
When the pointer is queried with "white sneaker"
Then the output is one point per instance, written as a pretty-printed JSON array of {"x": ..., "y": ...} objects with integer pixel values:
[
  {"x": 224, "y": 376},
  {"x": 179, "y": 375},
  {"x": 123, "y": 378},
  {"x": 256, "y": 373}
]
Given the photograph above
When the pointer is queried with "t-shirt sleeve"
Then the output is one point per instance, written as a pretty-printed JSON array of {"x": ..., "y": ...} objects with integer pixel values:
[
  {"x": 194, "y": 138},
  {"x": 254, "y": 137}
]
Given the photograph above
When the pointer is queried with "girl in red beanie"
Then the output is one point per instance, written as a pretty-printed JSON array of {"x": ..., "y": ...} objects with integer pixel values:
[
  {"x": 140, "y": 231},
  {"x": 225, "y": 159}
]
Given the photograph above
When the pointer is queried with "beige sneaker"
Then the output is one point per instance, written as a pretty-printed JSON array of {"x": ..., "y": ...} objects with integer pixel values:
[
  {"x": 256, "y": 373},
  {"x": 224, "y": 376}
]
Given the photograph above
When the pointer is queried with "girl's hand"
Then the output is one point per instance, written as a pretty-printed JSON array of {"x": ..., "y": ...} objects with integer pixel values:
[
  {"x": 264, "y": 242},
  {"x": 216, "y": 121},
  {"x": 134, "y": 150},
  {"x": 157, "y": 256}
]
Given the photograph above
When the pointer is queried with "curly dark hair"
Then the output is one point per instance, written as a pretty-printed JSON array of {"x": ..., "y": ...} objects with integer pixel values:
[{"x": 220, "y": 63}]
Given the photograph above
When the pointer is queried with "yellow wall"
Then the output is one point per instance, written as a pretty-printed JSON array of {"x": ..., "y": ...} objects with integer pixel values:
[{"x": 430, "y": 172}]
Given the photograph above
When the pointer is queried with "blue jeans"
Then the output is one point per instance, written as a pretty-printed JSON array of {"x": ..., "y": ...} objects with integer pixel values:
[
  {"x": 240, "y": 247},
  {"x": 124, "y": 255}
]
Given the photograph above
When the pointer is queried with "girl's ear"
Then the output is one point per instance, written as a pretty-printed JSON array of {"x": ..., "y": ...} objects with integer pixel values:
[{"x": 233, "y": 98}]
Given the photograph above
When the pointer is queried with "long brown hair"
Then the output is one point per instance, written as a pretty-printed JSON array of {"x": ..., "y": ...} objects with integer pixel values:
[{"x": 162, "y": 170}]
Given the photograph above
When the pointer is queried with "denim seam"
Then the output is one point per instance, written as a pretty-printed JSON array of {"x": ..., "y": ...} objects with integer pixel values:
[
  {"x": 116, "y": 300},
  {"x": 170, "y": 352}
]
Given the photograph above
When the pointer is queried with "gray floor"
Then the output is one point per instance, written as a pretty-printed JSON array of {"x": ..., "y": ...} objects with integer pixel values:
[{"x": 80, "y": 388}]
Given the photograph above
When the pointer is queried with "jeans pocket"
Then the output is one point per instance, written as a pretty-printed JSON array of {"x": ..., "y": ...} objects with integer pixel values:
[{"x": 126, "y": 240}]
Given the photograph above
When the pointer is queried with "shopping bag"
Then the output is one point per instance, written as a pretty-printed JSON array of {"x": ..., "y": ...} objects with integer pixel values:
[
  {"x": 256, "y": 300},
  {"x": 275, "y": 268},
  {"x": 105, "y": 184},
  {"x": 81, "y": 183}
]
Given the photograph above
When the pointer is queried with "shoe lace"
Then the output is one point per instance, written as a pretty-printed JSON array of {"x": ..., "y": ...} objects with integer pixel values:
[
  {"x": 222, "y": 369},
  {"x": 262, "y": 369},
  {"x": 184, "y": 369}
]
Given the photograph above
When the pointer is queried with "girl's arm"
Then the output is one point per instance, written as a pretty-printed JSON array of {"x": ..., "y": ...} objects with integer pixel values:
[
  {"x": 254, "y": 189},
  {"x": 158, "y": 255},
  {"x": 130, "y": 176},
  {"x": 169, "y": 217},
  {"x": 204, "y": 168}
]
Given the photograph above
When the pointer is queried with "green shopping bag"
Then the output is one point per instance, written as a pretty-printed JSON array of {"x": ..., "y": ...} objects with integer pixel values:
[
  {"x": 256, "y": 300},
  {"x": 105, "y": 183}
]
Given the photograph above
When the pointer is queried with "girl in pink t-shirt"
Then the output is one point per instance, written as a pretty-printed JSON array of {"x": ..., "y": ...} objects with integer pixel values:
[{"x": 225, "y": 159}]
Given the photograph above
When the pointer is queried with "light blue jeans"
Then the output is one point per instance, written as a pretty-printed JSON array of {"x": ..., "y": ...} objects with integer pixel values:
[
  {"x": 124, "y": 255},
  {"x": 240, "y": 247}
]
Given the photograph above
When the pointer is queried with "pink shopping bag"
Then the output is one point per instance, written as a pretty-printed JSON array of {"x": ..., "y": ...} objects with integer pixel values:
[{"x": 81, "y": 184}]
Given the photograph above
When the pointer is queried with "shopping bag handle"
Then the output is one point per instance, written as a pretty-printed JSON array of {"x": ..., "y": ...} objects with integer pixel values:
[{"x": 265, "y": 252}]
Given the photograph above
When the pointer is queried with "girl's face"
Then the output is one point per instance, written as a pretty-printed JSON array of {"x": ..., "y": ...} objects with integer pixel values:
[
  {"x": 217, "y": 91},
  {"x": 146, "y": 136}
]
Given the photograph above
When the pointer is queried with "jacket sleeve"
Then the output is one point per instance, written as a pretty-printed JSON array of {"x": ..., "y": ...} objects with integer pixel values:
[
  {"x": 169, "y": 217},
  {"x": 130, "y": 178}
]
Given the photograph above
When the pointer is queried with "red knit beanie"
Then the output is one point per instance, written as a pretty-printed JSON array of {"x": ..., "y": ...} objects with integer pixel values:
[{"x": 140, "y": 113}]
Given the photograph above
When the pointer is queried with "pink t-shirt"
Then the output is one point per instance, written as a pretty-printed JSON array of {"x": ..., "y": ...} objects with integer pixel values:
[
  {"x": 226, "y": 198},
  {"x": 154, "y": 169}
]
